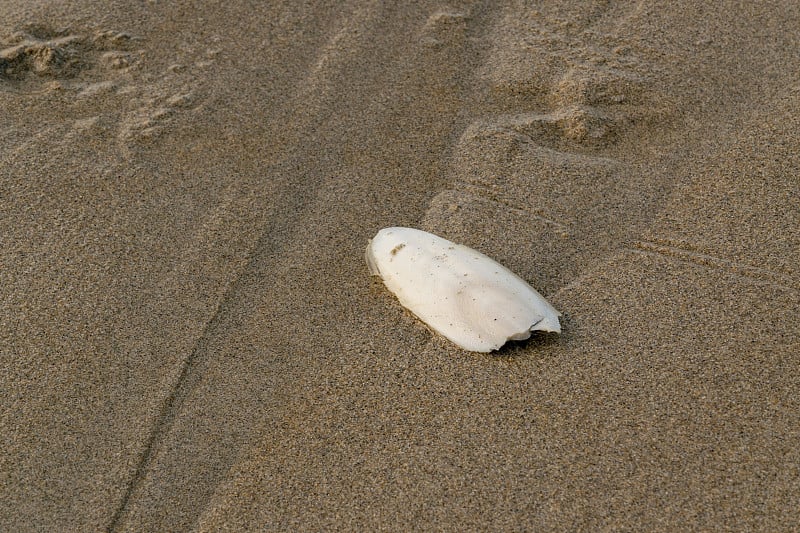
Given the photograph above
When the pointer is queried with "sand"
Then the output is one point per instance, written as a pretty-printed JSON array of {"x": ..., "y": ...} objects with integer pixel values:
[{"x": 189, "y": 335}]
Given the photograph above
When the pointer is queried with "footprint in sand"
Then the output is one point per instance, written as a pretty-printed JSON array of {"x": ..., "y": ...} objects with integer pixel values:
[
  {"x": 568, "y": 85},
  {"x": 444, "y": 27},
  {"x": 560, "y": 95}
]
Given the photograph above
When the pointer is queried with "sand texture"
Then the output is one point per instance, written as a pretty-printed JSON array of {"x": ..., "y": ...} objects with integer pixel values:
[{"x": 189, "y": 336}]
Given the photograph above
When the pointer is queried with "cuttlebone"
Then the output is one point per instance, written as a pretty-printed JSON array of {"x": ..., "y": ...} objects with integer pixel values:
[{"x": 458, "y": 292}]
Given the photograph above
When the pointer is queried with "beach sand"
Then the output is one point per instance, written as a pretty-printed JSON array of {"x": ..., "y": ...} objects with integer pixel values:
[{"x": 189, "y": 335}]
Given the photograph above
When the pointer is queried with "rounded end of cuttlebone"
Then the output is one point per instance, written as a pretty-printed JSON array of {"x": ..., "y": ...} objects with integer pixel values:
[{"x": 370, "y": 258}]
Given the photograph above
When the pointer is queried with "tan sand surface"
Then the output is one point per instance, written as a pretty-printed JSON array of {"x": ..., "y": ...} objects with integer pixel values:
[{"x": 189, "y": 337}]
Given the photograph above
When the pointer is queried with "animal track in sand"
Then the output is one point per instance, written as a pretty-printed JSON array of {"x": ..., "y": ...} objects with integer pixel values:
[
  {"x": 39, "y": 59},
  {"x": 102, "y": 80}
]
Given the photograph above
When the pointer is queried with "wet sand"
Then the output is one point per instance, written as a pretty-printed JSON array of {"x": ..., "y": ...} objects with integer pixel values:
[{"x": 189, "y": 335}]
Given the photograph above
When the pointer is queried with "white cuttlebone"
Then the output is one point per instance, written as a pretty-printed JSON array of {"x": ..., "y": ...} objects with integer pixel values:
[{"x": 460, "y": 293}]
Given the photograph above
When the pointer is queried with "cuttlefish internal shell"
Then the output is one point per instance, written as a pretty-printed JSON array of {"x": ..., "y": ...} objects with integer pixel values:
[{"x": 458, "y": 292}]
